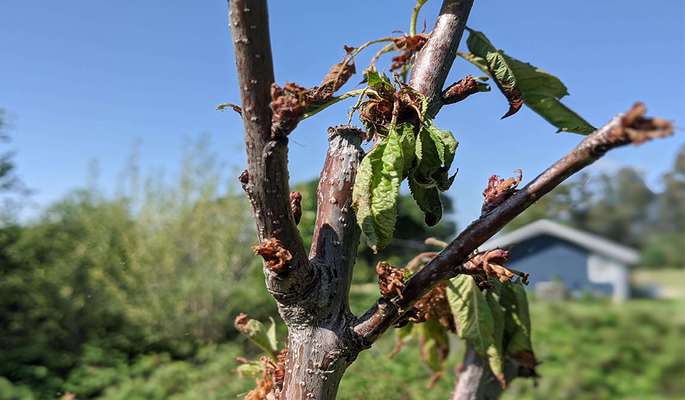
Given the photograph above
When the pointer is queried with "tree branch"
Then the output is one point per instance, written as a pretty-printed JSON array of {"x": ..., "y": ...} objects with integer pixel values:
[
  {"x": 266, "y": 177},
  {"x": 435, "y": 60},
  {"x": 336, "y": 235},
  {"x": 631, "y": 128}
]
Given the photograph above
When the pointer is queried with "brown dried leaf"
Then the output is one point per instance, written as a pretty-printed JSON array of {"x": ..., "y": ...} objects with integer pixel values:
[
  {"x": 434, "y": 306},
  {"x": 390, "y": 279},
  {"x": 288, "y": 105},
  {"x": 338, "y": 75},
  {"x": 276, "y": 257},
  {"x": 490, "y": 264},
  {"x": 462, "y": 89},
  {"x": 498, "y": 190},
  {"x": 409, "y": 45},
  {"x": 272, "y": 379}
]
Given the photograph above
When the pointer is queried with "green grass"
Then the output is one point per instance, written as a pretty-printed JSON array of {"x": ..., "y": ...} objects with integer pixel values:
[{"x": 589, "y": 350}]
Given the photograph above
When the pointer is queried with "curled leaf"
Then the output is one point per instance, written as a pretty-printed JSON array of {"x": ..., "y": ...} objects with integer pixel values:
[
  {"x": 390, "y": 279},
  {"x": 522, "y": 83},
  {"x": 462, "y": 89},
  {"x": 498, "y": 190},
  {"x": 377, "y": 187},
  {"x": 276, "y": 257},
  {"x": 254, "y": 330}
]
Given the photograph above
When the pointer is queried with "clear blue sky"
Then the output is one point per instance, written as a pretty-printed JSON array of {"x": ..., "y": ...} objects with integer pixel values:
[{"x": 85, "y": 80}]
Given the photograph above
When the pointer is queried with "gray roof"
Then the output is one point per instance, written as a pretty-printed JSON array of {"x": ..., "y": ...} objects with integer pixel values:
[{"x": 589, "y": 241}]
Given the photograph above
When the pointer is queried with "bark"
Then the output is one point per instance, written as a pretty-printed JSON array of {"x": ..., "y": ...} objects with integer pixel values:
[
  {"x": 266, "y": 178},
  {"x": 321, "y": 345},
  {"x": 435, "y": 60}
]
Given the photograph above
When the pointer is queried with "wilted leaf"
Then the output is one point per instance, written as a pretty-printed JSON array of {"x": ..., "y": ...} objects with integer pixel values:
[
  {"x": 251, "y": 369},
  {"x": 377, "y": 189},
  {"x": 435, "y": 149},
  {"x": 479, "y": 319},
  {"x": 515, "y": 302},
  {"x": 402, "y": 335},
  {"x": 254, "y": 330},
  {"x": 522, "y": 83},
  {"x": 428, "y": 200},
  {"x": 495, "y": 351},
  {"x": 379, "y": 83},
  {"x": 433, "y": 344},
  {"x": 475, "y": 322}
]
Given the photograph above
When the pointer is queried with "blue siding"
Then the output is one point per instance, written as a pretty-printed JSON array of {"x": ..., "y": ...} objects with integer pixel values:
[{"x": 548, "y": 258}]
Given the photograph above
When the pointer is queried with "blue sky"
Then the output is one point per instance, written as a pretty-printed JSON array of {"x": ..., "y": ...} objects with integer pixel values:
[{"x": 87, "y": 80}]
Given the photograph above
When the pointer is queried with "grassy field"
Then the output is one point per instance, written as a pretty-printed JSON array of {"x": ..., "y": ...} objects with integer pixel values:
[
  {"x": 589, "y": 350},
  {"x": 671, "y": 281}
]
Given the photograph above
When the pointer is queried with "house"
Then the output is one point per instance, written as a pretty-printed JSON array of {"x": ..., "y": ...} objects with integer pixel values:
[{"x": 582, "y": 261}]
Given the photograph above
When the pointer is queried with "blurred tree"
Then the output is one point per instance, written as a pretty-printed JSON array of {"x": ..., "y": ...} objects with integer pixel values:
[
  {"x": 95, "y": 280},
  {"x": 665, "y": 243}
]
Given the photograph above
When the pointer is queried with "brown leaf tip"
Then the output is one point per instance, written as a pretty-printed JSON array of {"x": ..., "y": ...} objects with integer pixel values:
[
  {"x": 390, "y": 279},
  {"x": 276, "y": 257},
  {"x": 296, "y": 206},
  {"x": 498, "y": 190},
  {"x": 336, "y": 77}
]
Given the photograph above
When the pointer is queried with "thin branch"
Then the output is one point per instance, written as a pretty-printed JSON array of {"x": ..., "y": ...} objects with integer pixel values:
[
  {"x": 329, "y": 102},
  {"x": 434, "y": 61},
  {"x": 631, "y": 128},
  {"x": 415, "y": 16},
  {"x": 266, "y": 177}
]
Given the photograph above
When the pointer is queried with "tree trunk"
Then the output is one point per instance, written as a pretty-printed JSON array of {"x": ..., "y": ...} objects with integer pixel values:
[{"x": 317, "y": 359}]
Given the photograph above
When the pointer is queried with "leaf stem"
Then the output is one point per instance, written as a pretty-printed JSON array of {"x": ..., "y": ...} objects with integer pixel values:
[
  {"x": 415, "y": 16},
  {"x": 333, "y": 100}
]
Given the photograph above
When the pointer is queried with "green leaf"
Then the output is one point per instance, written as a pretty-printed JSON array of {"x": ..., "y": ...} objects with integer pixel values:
[
  {"x": 408, "y": 144},
  {"x": 377, "y": 189},
  {"x": 523, "y": 83},
  {"x": 495, "y": 351},
  {"x": 471, "y": 312},
  {"x": 517, "y": 319},
  {"x": 428, "y": 200},
  {"x": 251, "y": 369},
  {"x": 378, "y": 82},
  {"x": 480, "y": 320},
  {"x": 435, "y": 149},
  {"x": 264, "y": 338}
]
